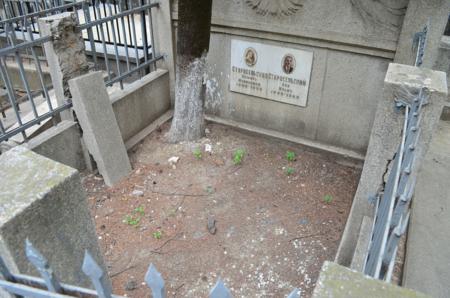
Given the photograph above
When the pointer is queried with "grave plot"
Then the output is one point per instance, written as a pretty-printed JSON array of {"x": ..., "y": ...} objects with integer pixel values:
[{"x": 261, "y": 214}]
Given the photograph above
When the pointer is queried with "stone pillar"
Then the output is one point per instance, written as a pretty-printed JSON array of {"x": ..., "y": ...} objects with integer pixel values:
[
  {"x": 164, "y": 41},
  {"x": 101, "y": 132},
  {"x": 44, "y": 201},
  {"x": 65, "y": 53},
  {"x": 418, "y": 14},
  {"x": 385, "y": 138}
]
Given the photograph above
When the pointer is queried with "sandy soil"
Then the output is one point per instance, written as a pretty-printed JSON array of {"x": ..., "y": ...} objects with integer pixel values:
[{"x": 273, "y": 230}]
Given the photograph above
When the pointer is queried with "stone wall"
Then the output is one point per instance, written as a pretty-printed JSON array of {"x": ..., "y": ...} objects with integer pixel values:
[{"x": 352, "y": 44}]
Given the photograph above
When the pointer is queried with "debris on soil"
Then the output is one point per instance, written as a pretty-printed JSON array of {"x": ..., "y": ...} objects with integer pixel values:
[
  {"x": 275, "y": 231},
  {"x": 173, "y": 160},
  {"x": 131, "y": 285},
  {"x": 211, "y": 225},
  {"x": 208, "y": 148},
  {"x": 137, "y": 193}
]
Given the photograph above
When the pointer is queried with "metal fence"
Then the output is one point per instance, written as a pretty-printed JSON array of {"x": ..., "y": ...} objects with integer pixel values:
[
  {"x": 49, "y": 286},
  {"x": 392, "y": 209},
  {"x": 20, "y": 91},
  {"x": 393, "y": 201},
  {"x": 118, "y": 40}
]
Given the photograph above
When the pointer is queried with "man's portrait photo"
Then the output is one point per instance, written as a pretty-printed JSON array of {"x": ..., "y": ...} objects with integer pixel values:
[
  {"x": 250, "y": 56},
  {"x": 288, "y": 63}
]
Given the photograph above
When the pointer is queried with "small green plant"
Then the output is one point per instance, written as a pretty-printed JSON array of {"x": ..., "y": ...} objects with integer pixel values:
[
  {"x": 157, "y": 234},
  {"x": 238, "y": 155},
  {"x": 289, "y": 171},
  {"x": 197, "y": 153},
  {"x": 328, "y": 198},
  {"x": 290, "y": 155},
  {"x": 131, "y": 220},
  {"x": 134, "y": 218},
  {"x": 209, "y": 189}
]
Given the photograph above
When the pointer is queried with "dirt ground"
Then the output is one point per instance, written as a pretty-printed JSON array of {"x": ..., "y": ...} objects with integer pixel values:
[{"x": 273, "y": 230}]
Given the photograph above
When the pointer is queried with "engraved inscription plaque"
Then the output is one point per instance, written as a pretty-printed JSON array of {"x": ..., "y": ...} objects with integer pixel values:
[{"x": 276, "y": 73}]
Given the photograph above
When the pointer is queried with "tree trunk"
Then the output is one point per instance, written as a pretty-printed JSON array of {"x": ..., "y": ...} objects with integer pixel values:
[{"x": 194, "y": 23}]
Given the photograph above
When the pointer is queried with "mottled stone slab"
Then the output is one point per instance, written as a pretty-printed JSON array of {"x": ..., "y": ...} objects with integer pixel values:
[{"x": 340, "y": 282}]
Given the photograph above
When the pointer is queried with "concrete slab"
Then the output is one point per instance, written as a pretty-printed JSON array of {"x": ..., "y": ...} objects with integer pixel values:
[
  {"x": 44, "y": 201},
  {"x": 427, "y": 264},
  {"x": 340, "y": 282},
  {"x": 101, "y": 132}
]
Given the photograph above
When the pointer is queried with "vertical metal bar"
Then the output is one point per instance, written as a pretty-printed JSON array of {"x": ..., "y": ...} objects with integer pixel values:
[
  {"x": 105, "y": 15},
  {"x": 152, "y": 40},
  {"x": 87, "y": 19},
  {"x": 95, "y": 273},
  {"x": 117, "y": 21},
  {"x": 105, "y": 53},
  {"x": 11, "y": 96},
  {"x": 116, "y": 51},
  {"x": 125, "y": 41},
  {"x": 144, "y": 34},
  {"x": 155, "y": 282},
  {"x": 41, "y": 264},
  {"x": 25, "y": 81},
  {"x": 133, "y": 26},
  {"x": 39, "y": 71}
]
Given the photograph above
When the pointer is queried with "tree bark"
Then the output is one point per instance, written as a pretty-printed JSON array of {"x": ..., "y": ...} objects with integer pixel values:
[{"x": 193, "y": 33}]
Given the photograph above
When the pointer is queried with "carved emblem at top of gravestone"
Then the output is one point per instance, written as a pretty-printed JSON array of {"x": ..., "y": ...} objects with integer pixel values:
[{"x": 275, "y": 8}]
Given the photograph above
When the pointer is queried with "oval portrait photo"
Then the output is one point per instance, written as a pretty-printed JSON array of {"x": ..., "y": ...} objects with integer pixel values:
[
  {"x": 250, "y": 56},
  {"x": 288, "y": 63}
]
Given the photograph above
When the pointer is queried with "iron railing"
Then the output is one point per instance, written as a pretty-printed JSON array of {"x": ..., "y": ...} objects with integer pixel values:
[
  {"x": 392, "y": 205},
  {"x": 20, "y": 90},
  {"x": 119, "y": 42},
  {"x": 49, "y": 286},
  {"x": 393, "y": 200},
  {"x": 125, "y": 31}
]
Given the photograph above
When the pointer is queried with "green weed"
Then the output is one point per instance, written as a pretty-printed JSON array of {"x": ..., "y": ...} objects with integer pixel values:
[
  {"x": 157, "y": 234},
  {"x": 289, "y": 171},
  {"x": 197, "y": 153},
  {"x": 238, "y": 156},
  {"x": 290, "y": 155},
  {"x": 328, "y": 198},
  {"x": 134, "y": 218}
]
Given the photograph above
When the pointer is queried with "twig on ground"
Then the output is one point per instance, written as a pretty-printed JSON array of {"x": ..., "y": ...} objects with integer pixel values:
[
  {"x": 158, "y": 249},
  {"x": 177, "y": 194},
  {"x": 306, "y": 236}
]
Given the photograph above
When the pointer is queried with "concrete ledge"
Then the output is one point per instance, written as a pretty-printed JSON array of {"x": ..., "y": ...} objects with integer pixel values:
[
  {"x": 148, "y": 130},
  {"x": 340, "y": 282},
  {"x": 362, "y": 246},
  {"x": 141, "y": 103},
  {"x": 279, "y": 135},
  {"x": 61, "y": 143}
]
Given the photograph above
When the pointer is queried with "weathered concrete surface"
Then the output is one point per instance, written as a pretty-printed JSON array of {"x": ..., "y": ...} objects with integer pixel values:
[
  {"x": 356, "y": 24},
  {"x": 427, "y": 264},
  {"x": 164, "y": 38},
  {"x": 385, "y": 138},
  {"x": 362, "y": 246},
  {"x": 418, "y": 13},
  {"x": 340, "y": 282},
  {"x": 101, "y": 133},
  {"x": 44, "y": 201},
  {"x": 343, "y": 94},
  {"x": 61, "y": 143},
  {"x": 65, "y": 53},
  {"x": 141, "y": 102}
]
